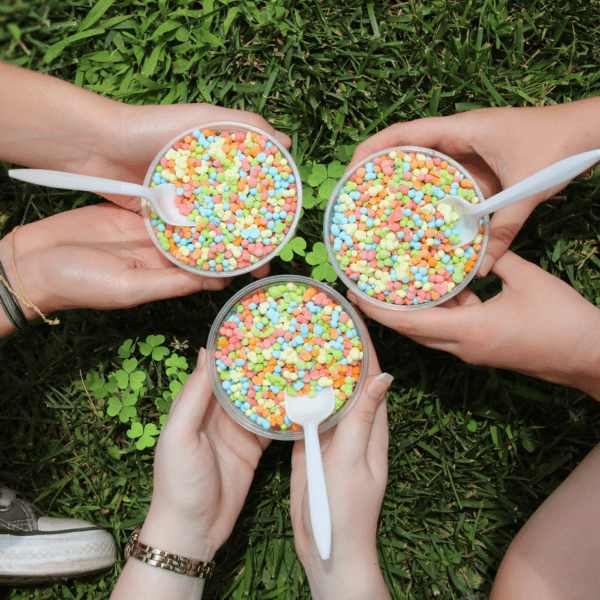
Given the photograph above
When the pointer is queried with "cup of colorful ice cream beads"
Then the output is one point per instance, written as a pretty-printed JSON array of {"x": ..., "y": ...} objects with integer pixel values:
[
  {"x": 240, "y": 190},
  {"x": 286, "y": 333},
  {"x": 386, "y": 240}
]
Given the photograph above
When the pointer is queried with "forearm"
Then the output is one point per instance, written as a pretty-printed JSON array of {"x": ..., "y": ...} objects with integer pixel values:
[
  {"x": 47, "y": 123},
  {"x": 146, "y": 582},
  {"x": 576, "y": 124},
  {"x": 140, "y": 581},
  {"x": 589, "y": 379}
]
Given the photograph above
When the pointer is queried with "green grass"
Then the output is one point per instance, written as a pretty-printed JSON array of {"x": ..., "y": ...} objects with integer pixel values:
[{"x": 473, "y": 450}]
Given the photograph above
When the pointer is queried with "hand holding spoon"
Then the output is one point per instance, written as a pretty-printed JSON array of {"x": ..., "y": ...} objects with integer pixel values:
[
  {"x": 469, "y": 214},
  {"x": 161, "y": 197}
]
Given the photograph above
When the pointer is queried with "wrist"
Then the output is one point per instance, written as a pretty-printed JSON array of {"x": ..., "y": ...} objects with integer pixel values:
[
  {"x": 177, "y": 536},
  {"x": 6, "y": 258},
  {"x": 23, "y": 275},
  {"x": 65, "y": 132},
  {"x": 346, "y": 578},
  {"x": 577, "y": 122},
  {"x": 582, "y": 357}
]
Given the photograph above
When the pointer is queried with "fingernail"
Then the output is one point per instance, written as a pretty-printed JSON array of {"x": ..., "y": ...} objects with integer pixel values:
[
  {"x": 380, "y": 385},
  {"x": 352, "y": 298},
  {"x": 486, "y": 266},
  {"x": 201, "y": 358},
  {"x": 212, "y": 285}
]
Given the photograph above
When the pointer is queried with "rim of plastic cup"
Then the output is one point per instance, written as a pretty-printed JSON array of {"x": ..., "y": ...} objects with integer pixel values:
[
  {"x": 218, "y": 127},
  {"x": 349, "y": 283},
  {"x": 224, "y": 399}
]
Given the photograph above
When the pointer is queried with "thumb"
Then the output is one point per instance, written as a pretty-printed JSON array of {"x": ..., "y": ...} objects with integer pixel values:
[
  {"x": 148, "y": 285},
  {"x": 353, "y": 433},
  {"x": 190, "y": 405},
  {"x": 452, "y": 135},
  {"x": 504, "y": 226}
]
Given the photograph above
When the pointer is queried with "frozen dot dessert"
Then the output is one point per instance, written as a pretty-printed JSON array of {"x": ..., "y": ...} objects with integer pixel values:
[
  {"x": 389, "y": 239},
  {"x": 290, "y": 337},
  {"x": 238, "y": 192}
]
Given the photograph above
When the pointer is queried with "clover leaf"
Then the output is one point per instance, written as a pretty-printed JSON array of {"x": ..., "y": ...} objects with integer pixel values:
[
  {"x": 122, "y": 379},
  {"x": 309, "y": 200},
  {"x": 95, "y": 386},
  {"x": 336, "y": 169},
  {"x": 125, "y": 349},
  {"x": 123, "y": 406},
  {"x": 305, "y": 171},
  {"x": 129, "y": 365},
  {"x": 296, "y": 245},
  {"x": 345, "y": 152},
  {"x": 175, "y": 363},
  {"x": 128, "y": 377},
  {"x": 317, "y": 176},
  {"x": 152, "y": 345},
  {"x": 111, "y": 384},
  {"x": 323, "y": 270},
  {"x": 175, "y": 386},
  {"x": 325, "y": 191},
  {"x": 164, "y": 404},
  {"x": 136, "y": 380},
  {"x": 146, "y": 434}
]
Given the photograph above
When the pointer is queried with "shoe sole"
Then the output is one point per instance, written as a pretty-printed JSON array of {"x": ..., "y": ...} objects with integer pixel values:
[{"x": 53, "y": 556}]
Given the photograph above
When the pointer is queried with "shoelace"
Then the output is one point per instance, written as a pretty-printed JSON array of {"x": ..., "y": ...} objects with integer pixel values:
[{"x": 6, "y": 498}]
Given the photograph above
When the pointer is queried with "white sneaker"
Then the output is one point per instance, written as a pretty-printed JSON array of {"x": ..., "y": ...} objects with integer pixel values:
[{"x": 35, "y": 550}]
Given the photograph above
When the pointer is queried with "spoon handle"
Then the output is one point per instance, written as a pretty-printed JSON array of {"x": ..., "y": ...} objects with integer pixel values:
[
  {"x": 555, "y": 174},
  {"x": 320, "y": 516},
  {"x": 84, "y": 183}
]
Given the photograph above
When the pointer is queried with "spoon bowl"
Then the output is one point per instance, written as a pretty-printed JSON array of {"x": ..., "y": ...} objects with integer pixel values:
[
  {"x": 465, "y": 216},
  {"x": 309, "y": 413},
  {"x": 160, "y": 197}
]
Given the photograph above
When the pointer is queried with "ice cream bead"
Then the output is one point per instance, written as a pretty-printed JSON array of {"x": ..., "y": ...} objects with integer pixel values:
[
  {"x": 385, "y": 236},
  {"x": 239, "y": 191},
  {"x": 289, "y": 334}
]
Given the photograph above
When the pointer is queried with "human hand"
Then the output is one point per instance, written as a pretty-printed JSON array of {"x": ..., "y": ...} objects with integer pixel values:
[
  {"x": 355, "y": 464},
  {"x": 537, "y": 325},
  {"x": 77, "y": 131},
  {"x": 137, "y": 133},
  {"x": 95, "y": 257},
  {"x": 203, "y": 468},
  {"x": 500, "y": 147}
]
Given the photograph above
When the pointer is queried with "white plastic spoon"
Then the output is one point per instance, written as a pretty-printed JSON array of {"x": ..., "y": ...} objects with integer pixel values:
[
  {"x": 310, "y": 413},
  {"x": 469, "y": 214},
  {"x": 161, "y": 197}
]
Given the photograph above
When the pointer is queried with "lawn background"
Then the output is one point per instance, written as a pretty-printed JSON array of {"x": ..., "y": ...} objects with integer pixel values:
[{"x": 473, "y": 450}]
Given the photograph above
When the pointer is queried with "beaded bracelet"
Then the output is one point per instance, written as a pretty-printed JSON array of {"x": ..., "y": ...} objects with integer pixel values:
[
  {"x": 166, "y": 560},
  {"x": 13, "y": 295}
]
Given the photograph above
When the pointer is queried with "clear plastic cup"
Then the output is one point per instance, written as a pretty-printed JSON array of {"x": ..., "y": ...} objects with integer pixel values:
[
  {"x": 350, "y": 283},
  {"x": 219, "y": 127},
  {"x": 212, "y": 347}
]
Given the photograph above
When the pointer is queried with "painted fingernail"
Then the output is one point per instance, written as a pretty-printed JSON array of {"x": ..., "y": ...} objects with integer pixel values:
[
  {"x": 201, "y": 358},
  {"x": 379, "y": 385}
]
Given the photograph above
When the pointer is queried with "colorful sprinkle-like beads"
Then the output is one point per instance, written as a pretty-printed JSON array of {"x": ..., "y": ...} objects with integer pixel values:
[
  {"x": 390, "y": 240},
  {"x": 238, "y": 192},
  {"x": 287, "y": 337}
]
